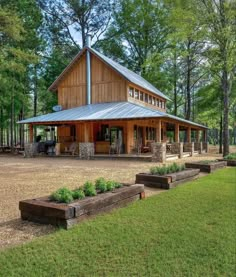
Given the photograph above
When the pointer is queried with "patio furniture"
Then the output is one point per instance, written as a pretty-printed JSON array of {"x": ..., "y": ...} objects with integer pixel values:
[{"x": 72, "y": 149}]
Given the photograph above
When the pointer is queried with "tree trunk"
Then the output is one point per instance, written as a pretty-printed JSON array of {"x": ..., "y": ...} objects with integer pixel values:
[
  {"x": 175, "y": 84},
  {"x": 221, "y": 135},
  {"x": 188, "y": 86},
  {"x": 225, "y": 86}
]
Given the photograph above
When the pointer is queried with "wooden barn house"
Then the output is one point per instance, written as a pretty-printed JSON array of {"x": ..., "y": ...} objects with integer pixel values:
[{"x": 114, "y": 110}]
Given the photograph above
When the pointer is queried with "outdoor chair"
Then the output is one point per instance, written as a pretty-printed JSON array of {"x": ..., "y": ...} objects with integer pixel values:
[{"x": 72, "y": 149}]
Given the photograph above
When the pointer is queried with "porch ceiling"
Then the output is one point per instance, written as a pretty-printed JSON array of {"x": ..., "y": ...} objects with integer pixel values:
[{"x": 103, "y": 111}]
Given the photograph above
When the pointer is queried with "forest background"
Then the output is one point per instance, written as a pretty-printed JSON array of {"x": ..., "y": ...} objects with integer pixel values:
[{"x": 187, "y": 49}]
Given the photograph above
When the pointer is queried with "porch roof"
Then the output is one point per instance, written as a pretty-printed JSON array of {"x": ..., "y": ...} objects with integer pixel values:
[{"x": 103, "y": 111}]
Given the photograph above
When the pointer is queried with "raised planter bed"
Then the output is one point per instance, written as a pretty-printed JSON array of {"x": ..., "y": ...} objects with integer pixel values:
[
  {"x": 206, "y": 167},
  {"x": 229, "y": 162},
  {"x": 43, "y": 210},
  {"x": 166, "y": 181}
]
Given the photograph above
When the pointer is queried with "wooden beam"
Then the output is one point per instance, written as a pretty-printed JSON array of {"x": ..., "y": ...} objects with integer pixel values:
[
  {"x": 158, "y": 131},
  {"x": 164, "y": 131},
  {"x": 189, "y": 134},
  {"x": 176, "y": 132},
  {"x": 31, "y": 133}
]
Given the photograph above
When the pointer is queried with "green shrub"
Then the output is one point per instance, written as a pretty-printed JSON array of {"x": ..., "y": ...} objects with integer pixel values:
[
  {"x": 110, "y": 185},
  {"x": 89, "y": 189},
  {"x": 118, "y": 185},
  {"x": 101, "y": 184},
  {"x": 231, "y": 156},
  {"x": 78, "y": 194},
  {"x": 62, "y": 195},
  {"x": 162, "y": 170}
]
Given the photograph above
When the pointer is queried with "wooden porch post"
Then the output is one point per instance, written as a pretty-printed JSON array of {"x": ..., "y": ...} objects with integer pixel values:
[
  {"x": 158, "y": 131},
  {"x": 164, "y": 132},
  {"x": 176, "y": 132},
  {"x": 188, "y": 134},
  {"x": 31, "y": 133}
]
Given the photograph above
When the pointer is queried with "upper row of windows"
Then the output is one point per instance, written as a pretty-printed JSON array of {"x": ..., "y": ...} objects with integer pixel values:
[{"x": 145, "y": 97}]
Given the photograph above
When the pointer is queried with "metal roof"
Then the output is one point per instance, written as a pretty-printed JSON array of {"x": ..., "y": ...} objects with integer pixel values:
[
  {"x": 125, "y": 72},
  {"x": 103, "y": 111},
  {"x": 130, "y": 75}
]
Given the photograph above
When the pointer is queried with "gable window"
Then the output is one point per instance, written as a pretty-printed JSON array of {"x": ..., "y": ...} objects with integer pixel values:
[
  {"x": 150, "y": 99},
  {"x": 136, "y": 94},
  {"x": 141, "y": 96},
  {"x": 131, "y": 92},
  {"x": 146, "y": 97},
  {"x": 160, "y": 103},
  {"x": 154, "y": 101}
]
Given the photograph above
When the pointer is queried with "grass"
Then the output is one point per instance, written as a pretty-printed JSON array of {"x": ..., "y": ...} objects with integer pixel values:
[{"x": 188, "y": 231}]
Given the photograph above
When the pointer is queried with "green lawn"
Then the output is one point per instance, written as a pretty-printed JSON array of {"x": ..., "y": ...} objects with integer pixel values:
[{"x": 187, "y": 231}]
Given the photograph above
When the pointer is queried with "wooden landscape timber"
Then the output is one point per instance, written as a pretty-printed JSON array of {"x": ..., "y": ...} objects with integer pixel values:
[
  {"x": 43, "y": 210},
  {"x": 167, "y": 181},
  {"x": 229, "y": 162},
  {"x": 207, "y": 167}
]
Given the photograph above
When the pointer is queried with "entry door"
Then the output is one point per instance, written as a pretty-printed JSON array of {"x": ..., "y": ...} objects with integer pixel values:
[{"x": 117, "y": 133}]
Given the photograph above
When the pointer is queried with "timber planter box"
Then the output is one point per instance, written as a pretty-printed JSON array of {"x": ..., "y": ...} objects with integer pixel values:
[
  {"x": 43, "y": 210},
  {"x": 207, "y": 167},
  {"x": 229, "y": 162},
  {"x": 166, "y": 181}
]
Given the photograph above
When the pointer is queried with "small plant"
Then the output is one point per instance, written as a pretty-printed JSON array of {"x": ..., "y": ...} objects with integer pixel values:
[
  {"x": 162, "y": 170},
  {"x": 78, "y": 194},
  {"x": 118, "y": 185},
  {"x": 101, "y": 184},
  {"x": 110, "y": 185},
  {"x": 231, "y": 156},
  {"x": 62, "y": 195},
  {"x": 89, "y": 189}
]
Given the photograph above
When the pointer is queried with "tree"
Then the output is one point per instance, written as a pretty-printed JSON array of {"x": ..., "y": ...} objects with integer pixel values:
[
  {"x": 137, "y": 30},
  {"x": 220, "y": 18},
  {"x": 77, "y": 19}
]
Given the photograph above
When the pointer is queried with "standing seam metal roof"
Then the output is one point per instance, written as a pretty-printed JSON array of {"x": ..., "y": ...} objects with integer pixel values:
[{"x": 104, "y": 111}]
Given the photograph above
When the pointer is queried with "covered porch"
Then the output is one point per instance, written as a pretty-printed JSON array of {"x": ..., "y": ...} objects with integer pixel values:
[{"x": 125, "y": 138}]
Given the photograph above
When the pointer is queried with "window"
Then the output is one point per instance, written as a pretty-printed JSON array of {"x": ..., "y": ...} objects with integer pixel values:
[
  {"x": 154, "y": 101},
  {"x": 150, "y": 99},
  {"x": 131, "y": 92},
  {"x": 150, "y": 133},
  {"x": 136, "y": 94},
  {"x": 157, "y": 102},
  {"x": 104, "y": 132},
  {"x": 135, "y": 132},
  {"x": 164, "y": 105},
  {"x": 160, "y": 104},
  {"x": 146, "y": 97},
  {"x": 141, "y": 96}
]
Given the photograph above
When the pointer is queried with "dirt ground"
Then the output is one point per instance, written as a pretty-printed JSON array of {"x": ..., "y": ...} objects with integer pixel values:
[{"x": 22, "y": 178}]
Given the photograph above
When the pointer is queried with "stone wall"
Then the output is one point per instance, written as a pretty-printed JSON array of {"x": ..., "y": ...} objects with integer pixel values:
[
  {"x": 86, "y": 150},
  {"x": 31, "y": 150},
  {"x": 158, "y": 152},
  {"x": 189, "y": 147}
]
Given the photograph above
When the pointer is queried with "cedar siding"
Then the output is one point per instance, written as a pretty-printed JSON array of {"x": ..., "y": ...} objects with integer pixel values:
[{"x": 107, "y": 85}]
